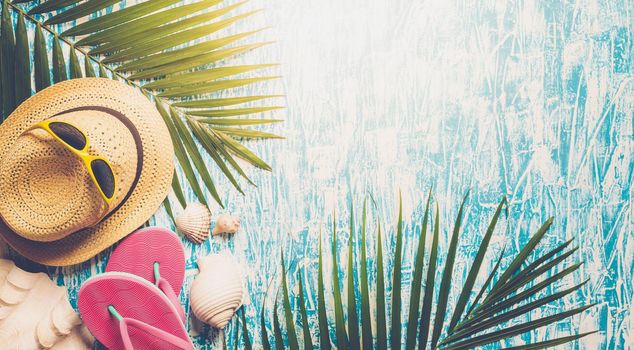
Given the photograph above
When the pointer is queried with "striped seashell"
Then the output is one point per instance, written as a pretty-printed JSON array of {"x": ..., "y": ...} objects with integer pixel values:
[
  {"x": 218, "y": 290},
  {"x": 194, "y": 222}
]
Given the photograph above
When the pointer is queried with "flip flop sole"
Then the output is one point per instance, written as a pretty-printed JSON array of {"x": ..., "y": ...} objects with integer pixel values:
[
  {"x": 133, "y": 297},
  {"x": 137, "y": 253}
]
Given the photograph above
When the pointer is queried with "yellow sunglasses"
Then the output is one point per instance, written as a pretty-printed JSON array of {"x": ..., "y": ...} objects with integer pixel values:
[{"x": 77, "y": 142}]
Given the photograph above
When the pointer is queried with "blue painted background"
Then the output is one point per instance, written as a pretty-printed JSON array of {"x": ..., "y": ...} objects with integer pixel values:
[{"x": 529, "y": 99}]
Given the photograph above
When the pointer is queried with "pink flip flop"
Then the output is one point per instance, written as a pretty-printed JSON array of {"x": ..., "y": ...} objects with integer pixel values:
[
  {"x": 124, "y": 311},
  {"x": 155, "y": 254}
]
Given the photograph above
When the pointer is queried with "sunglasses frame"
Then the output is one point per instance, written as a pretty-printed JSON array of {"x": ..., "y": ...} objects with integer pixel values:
[{"x": 82, "y": 154}]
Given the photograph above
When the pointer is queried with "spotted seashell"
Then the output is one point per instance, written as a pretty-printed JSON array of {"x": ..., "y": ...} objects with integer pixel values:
[
  {"x": 194, "y": 222},
  {"x": 226, "y": 224},
  {"x": 218, "y": 290}
]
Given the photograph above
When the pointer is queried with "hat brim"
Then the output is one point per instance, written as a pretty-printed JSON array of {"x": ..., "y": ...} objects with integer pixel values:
[{"x": 144, "y": 199}]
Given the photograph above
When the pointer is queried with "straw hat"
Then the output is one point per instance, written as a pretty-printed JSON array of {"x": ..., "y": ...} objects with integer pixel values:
[{"x": 50, "y": 209}]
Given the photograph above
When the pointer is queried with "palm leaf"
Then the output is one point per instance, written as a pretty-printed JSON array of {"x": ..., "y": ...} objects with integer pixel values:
[
  {"x": 277, "y": 330},
  {"x": 475, "y": 268},
  {"x": 181, "y": 154},
  {"x": 236, "y": 337},
  {"x": 118, "y": 17},
  {"x": 551, "y": 343},
  {"x": 248, "y": 134},
  {"x": 506, "y": 316},
  {"x": 308, "y": 341},
  {"x": 288, "y": 314},
  {"x": 90, "y": 70},
  {"x": 59, "y": 63},
  {"x": 445, "y": 284},
  {"x": 366, "y": 318},
  {"x": 151, "y": 39},
  {"x": 8, "y": 58},
  {"x": 340, "y": 329},
  {"x": 22, "y": 66},
  {"x": 220, "y": 102},
  {"x": 266, "y": 345},
  {"x": 487, "y": 282},
  {"x": 138, "y": 25},
  {"x": 324, "y": 335},
  {"x": 245, "y": 332},
  {"x": 395, "y": 331},
  {"x": 40, "y": 58},
  {"x": 168, "y": 210},
  {"x": 102, "y": 71},
  {"x": 414, "y": 301},
  {"x": 188, "y": 141},
  {"x": 49, "y": 5},
  {"x": 507, "y": 300},
  {"x": 353, "y": 318},
  {"x": 503, "y": 308},
  {"x": 520, "y": 259},
  {"x": 381, "y": 323},
  {"x": 424, "y": 321},
  {"x": 515, "y": 330},
  {"x": 79, "y": 11},
  {"x": 75, "y": 68},
  {"x": 212, "y": 147}
]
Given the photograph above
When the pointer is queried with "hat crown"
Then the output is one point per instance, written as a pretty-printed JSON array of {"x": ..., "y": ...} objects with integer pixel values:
[
  {"x": 50, "y": 192},
  {"x": 138, "y": 196}
]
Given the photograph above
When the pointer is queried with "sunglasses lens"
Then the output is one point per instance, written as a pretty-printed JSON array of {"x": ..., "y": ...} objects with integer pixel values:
[
  {"x": 69, "y": 134},
  {"x": 105, "y": 177}
]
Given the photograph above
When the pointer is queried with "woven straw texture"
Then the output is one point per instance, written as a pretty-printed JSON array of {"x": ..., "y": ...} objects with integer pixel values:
[{"x": 48, "y": 203}]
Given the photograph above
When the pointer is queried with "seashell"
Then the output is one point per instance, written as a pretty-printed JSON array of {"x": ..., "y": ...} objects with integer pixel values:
[
  {"x": 194, "y": 222},
  {"x": 226, "y": 224},
  {"x": 218, "y": 290},
  {"x": 39, "y": 314}
]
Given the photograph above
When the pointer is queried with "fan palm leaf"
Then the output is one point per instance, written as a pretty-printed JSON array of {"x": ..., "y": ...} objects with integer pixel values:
[
  {"x": 504, "y": 306},
  {"x": 160, "y": 47}
]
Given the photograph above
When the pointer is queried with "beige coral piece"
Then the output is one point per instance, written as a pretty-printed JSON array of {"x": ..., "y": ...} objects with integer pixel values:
[{"x": 36, "y": 314}]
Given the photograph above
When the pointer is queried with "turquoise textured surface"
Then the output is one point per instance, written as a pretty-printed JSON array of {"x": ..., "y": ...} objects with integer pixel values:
[{"x": 529, "y": 99}]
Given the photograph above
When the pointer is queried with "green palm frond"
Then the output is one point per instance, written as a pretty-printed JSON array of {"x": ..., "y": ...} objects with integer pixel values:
[
  {"x": 266, "y": 345},
  {"x": 340, "y": 328},
  {"x": 324, "y": 332},
  {"x": 277, "y": 329},
  {"x": 381, "y": 323},
  {"x": 291, "y": 333},
  {"x": 366, "y": 318},
  {"x": 163, "y": 48},
  {"x": 353, "y": 320},
  {"x": 308, "y": 340},
  {"x": 395, "y": 330},
  {"x": 245, "y": 331},
  {"x": 414, "y": 301},
  {"x": 504, "y": 306}
]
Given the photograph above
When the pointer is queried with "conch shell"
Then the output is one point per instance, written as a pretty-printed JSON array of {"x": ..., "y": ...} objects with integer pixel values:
[
  {"x": 35, "y": 313},
  {"x": 226, "y": 224},
  {"x": 194, "y": 222},
  {"x": 218, "y": 290}
]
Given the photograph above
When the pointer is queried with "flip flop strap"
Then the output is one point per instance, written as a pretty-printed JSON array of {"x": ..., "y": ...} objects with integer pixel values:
[
  {"x": 125, "y": 323},
  {"x": 166, "y": 288}
]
